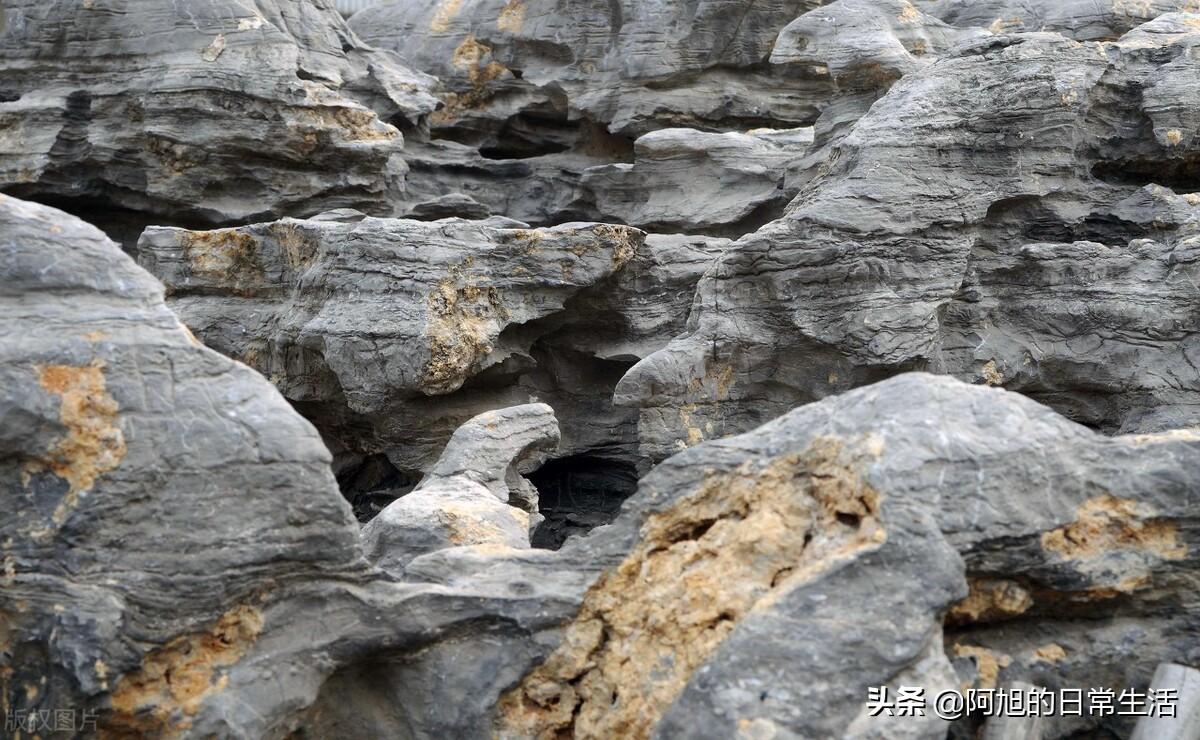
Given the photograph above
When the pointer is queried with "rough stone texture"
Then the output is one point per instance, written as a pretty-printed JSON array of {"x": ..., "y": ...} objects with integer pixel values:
[
  {"x": 918, "y": 531},
  {"x": 153, "y": 489},
  {"x": 200, "y": 112},
  {"x": 474, "y": 495},
  {"x": 538, "y": 92},
  {"x": 391, "y": 333},
  {"x": 1011, "y": 209},
  {"x": 497, "y": 448},
  {"x": 768, "y": 579},
  {"x": 1083, "y": 20},
  {"x": 1009, "y": 238},
  {"x": 692, "y": 181},
  {"x": 176, "y": 555},
  {"x": 631, "y": 66}
]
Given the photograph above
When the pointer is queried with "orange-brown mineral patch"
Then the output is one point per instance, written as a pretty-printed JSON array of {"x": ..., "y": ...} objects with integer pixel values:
[
  {"x": 1105, "y": 524},
  {"x": 701, "y": 566},
  {"x": 987, "y": 663},
  {"x": 227, "y": 256},
  {"x": 93, "y": 444},
  {"x": 990, "y": 600},
  {"x": 173, "y": 681},
  {"x": 463, "y": 319}
]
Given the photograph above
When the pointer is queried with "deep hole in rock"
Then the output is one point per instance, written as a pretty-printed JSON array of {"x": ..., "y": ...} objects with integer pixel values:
[
  {"x": 371, "y": 483},
  {"x": 578, "y": 494}
]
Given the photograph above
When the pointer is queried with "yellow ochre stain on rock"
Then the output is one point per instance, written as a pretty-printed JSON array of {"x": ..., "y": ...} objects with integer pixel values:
[
  {"x": 1106, "y": 524},
  {"x": 987, "y": 664},
  {"x": 462, "y": 321},
  {"x": 93, "y": 445},
  {"x": 174, "y": 680},
  {"x": 446, "y": 10},
  {"x": 226, "y": 255},
  {"x": 1049, "y": 653},
  {"x": 469, "y": 57},
  {"x": 990, "y": 600},
  {"x": 735, "y": 545},
  {"x": 512, "y": 17}
]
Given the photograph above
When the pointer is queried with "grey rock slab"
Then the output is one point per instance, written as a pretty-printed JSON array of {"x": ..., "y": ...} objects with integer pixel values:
[
  {"x": 631, "y": 66},
  {"x": 885, "y": 536},
  {"x": 496, "y": 449},
  {"x": 693, "y": 181},
  {"x": 200, "y": 112}
]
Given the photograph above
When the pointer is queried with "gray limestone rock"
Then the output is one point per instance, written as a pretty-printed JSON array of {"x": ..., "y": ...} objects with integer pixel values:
[
  {"x": 175, "y": 558},
  {"x": 1039, "y": 236},
  {"x": 538, "y": 91},
  {"x": 181, "y": 562},
  {"x": 693, "y": 181},
  {"x": 631, "y": 66},
  {"x": 475, "y": 494},
  {"x": 894, "y": 535},
  {"x": 392, "y": 333},
  {"x": 153, "y": 490},
  {"x": 1082, "y": 20},
  {"x": 497, "y": 448},
  {"x": 199, "y": 112}
]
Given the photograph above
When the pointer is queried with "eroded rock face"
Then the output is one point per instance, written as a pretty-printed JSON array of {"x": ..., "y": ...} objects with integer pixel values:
[
  {"x": 391, "y": 333},
  {"x": 476, "y": 493},
  {"x": 629, "y": 65},
  {"x": 536, "y": 93},
  {"x": 1082, "y": 20},
  {"x": 154, "y": 490},
  {"x": 190, "y": 521},
  {"x": 691, "y": 181},
  {"x": 1070, "y": 280},
  {"x": 199, "y": 112},
  {"x": 767, "y": 579}
]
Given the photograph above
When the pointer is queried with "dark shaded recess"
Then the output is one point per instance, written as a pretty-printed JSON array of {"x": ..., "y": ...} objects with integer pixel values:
[
  {"x": 531, "y": 134},
  {"x": 1028, "y": 219},
  {"x": 578, "y": 494},
  {"x": 123, "y": 225},
  {"x": 1181, "y": 175},
  {"x": 373, "y": 483}
]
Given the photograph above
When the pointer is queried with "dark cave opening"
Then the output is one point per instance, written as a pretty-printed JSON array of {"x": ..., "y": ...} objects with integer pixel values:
[
  {"x": 371, "y": 483},
  {"x": 578, "y": 494}
]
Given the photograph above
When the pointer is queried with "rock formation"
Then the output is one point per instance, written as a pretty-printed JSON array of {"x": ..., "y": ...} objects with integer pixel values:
[
  {"x": 465, "y": 499},
  {"x": 391, "y": 333},
  {"x": 1039, "y": 237},
  {"x": 204, "y": 112},
  {"x": 589, "y": 370},
  {"x": 179, "y": 554}
]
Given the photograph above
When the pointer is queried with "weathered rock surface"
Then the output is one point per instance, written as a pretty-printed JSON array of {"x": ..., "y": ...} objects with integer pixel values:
[
  {"x": 692, "y": 181},
  {"x": 199, "y": 112},
  {"x": 391, "y": 333},
  {"x": 1082, "y": 20},
  {"x": 1039, "y": 236},
  {"x": 474, "y": 495},
  {"x": 768, "y": 579},
  {"x": 177, "y": 556},
  {"x": 153, "y": 489},
  {"x": 918, "y": 531},
  {"x": 630, "y": 66}
]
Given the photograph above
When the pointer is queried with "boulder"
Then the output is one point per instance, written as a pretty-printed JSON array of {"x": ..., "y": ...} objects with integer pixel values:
[{"x": 698, "y": 182}]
